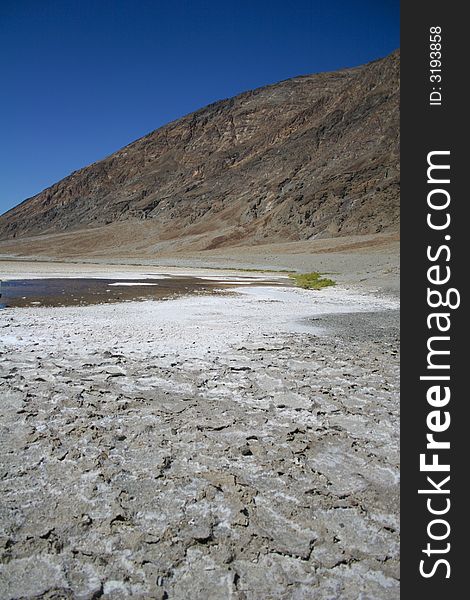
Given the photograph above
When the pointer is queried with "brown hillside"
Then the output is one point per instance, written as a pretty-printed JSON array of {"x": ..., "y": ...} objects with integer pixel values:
[{"x": 310, "y": 157}]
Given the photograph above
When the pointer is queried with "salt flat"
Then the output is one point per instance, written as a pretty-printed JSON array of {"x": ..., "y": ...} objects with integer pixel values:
[{"x": 242, "y": 445}]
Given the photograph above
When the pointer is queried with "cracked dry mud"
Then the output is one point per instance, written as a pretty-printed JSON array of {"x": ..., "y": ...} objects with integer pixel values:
[{"x": 261, "y": 465}]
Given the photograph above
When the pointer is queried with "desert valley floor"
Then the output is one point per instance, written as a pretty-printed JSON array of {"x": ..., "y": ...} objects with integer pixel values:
[{"x": 243, "y": 444}]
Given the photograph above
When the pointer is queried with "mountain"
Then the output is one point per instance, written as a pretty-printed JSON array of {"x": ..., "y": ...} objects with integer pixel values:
[{"x": 310, "y": 157}]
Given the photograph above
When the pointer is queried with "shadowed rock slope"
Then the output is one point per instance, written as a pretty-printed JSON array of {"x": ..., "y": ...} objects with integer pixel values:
[{"x": 313, "y": 156}]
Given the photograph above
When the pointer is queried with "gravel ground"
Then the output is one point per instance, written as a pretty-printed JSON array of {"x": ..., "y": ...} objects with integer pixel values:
[{"x": 228, "y": 447}]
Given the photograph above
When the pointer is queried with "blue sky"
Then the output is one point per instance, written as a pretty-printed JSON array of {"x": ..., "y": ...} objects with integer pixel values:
[{"x": 82, "y": 78}]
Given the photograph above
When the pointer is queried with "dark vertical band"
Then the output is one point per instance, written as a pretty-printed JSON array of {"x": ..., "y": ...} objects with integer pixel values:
[{"x": 434, "y": 401}]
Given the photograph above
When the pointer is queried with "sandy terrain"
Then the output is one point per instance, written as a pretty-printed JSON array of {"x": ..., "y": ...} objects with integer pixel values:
[
  {"x": 237, "y": 446},
  {"x": 365, "y": 262}
]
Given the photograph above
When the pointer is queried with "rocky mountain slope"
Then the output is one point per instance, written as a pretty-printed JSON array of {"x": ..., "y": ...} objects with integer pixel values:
[{"x": 314, "y": 156}]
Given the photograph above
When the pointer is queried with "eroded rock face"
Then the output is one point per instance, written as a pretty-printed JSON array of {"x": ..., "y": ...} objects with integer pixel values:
[{"x": 311, "y": 156}]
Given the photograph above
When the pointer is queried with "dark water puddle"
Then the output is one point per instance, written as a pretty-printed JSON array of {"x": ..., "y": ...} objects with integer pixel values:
[{"x": 79, "y": 291}]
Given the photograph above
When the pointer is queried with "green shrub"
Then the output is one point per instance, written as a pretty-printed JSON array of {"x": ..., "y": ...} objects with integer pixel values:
[{"x": 311, "y": 281}]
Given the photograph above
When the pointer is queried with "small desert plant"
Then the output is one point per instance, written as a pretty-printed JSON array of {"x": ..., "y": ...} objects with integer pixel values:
[{"x": 311, "y": 281}]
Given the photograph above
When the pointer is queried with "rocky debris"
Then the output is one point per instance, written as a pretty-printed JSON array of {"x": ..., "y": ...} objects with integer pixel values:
[
  {"x": 268, "y": 470},
  {"x": 313, "y": 156}
]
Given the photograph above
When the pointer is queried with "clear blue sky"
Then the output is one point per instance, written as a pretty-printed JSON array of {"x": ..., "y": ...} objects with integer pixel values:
[{"x": 82, "y": 78}]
